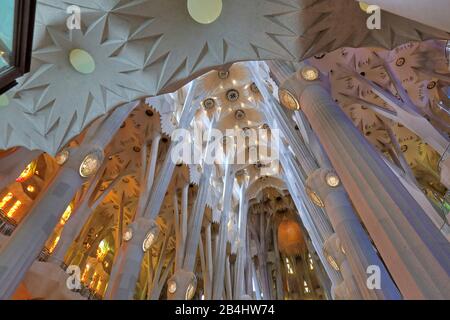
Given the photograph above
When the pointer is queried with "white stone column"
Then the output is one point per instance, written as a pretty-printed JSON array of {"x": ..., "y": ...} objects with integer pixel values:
[
  {"x": 126, "y": 272},
  {"x": 195, "y": 221},
  {"x": 355, "y": 242},
  {"x": 29, "y": 238},
  {"x": 414, "y": 251},
  {"x": 296, "y": 170},
  {"x": 239, "y": 286},
  {"x": 130, "y": 258},
  {"x": 221, "y": 253}
]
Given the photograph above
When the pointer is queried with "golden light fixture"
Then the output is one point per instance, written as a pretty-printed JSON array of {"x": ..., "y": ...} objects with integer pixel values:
[
  {"x": 149, "y": 240},
  {"x": 62, "y": 157},
  {"x": 31, "y": 188},
  {"x": 192, "y": 287},
  {"x": 172, "y": 286},
  {"x": 315, "y": 198},
  {"x": 205, "y": 11},
  {"x": 332, "y": 179},
  {"x": 310, "y": 73},
  {"x": 28, "y": 172},
  {"x": 288, "y": 100},
  {"x": 91, "y": 163}
]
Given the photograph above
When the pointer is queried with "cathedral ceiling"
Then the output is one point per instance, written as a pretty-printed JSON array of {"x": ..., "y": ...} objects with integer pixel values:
[{"x": 141, "y": 48}]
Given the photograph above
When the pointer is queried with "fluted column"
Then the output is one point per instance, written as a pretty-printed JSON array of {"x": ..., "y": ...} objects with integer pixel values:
[
  {"x": 221, "y": 253},
  {"x": 348, "y": 288},
  {"x": 414, "y": 251},
  {"x": 307, "y": 211},
  {"x": 29, "y": 238},
  {"x": 149, "y": 175},
  {"x": 130, "y": 258},
  {"x": 123, "y": 273},
  {"x": 195, "y": 222},
  {"x": 313, "y": 217},
  {"x": 239, "y": 286},
  {"x": 356, "y": 244}
]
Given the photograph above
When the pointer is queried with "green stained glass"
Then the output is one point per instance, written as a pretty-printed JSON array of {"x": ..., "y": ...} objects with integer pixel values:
[{"x": 6, "y": 31}]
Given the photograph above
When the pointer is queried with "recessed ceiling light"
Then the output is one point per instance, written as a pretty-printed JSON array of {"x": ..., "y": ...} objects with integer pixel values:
[
  {"x": 4, "y": 100},
  {"x": 209, "y": 103},
  {"x": 310, "y": 73},
  {"x": 205, "y": 11},
  {"x": 232, "y": 95},
  {"x": 364, "y": 6},
  {"x": 82, "y": 61}
]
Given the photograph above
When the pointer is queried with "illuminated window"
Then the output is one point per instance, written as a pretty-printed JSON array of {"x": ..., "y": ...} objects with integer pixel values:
[
  {"x": 14, "y": 209},
  {"x": 28, "y": 172},
  {"x": 102, "y": 250},
  {"x": 310, "y": 261},
  {"x": 306, "y": 287},
  {"x": 66, "y": 214},
  {"x": 99, "y": 285},
  {"x": 5, "y": 200},
  {"x": 289, "y": 267},
  {"x": 85, "y": 273},
  {"x": 54, "y": 244}
]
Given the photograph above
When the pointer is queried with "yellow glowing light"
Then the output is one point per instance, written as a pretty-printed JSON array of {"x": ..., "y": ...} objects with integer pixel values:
[
  {"x": 92, "y": 283},
  {"x": 66, "y": 214},
  {"x": 205, "y": 11},
  {"x": 31, "y": 188},
  {"x": 85, "y": 273},
  {"x": 5, "y": 200},
  {"x": 14, "y": 209},
  {"x": 332, "y": 179},
  {"x": 364, "y": 6},
  {"x": 310, "y": 73},
  {"x": 99, "y": 285},
  {"x": 54, "y": 244},
  {"x": 91, "y": 163},
  {"x": 102, "y": 250},
  {"x": 28, "y": 172}
]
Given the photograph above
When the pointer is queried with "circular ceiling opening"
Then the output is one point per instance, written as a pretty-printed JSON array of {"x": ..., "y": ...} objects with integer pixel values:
[
  {"x": 82, "y": 61},
  {"x": 205, "y": 11},
  {"x": 364, "y": 6},
  {"x": 4, "y": 101}
]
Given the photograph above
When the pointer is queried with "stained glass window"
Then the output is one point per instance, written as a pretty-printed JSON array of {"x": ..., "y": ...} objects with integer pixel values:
[{"x": 7, "y": 8}]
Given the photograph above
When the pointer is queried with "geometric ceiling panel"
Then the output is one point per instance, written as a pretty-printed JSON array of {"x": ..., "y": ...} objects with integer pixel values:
[{"x": 139, "y": 48}]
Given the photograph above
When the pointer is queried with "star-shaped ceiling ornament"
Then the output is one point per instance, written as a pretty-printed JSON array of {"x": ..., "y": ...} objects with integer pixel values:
[{"x": 139, "y": 48}]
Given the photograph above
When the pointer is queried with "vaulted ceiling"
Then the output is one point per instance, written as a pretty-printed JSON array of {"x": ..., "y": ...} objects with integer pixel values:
[{"x": 143, "y": 48}]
